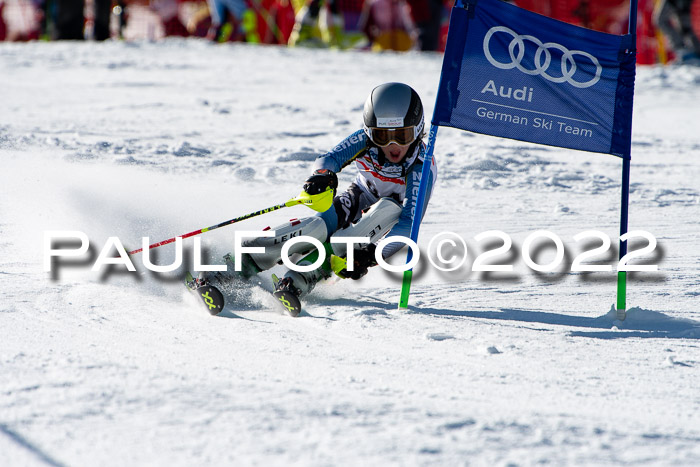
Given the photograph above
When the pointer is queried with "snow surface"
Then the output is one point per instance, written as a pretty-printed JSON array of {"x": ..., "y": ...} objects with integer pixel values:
[{"x": 159, "y": 139}]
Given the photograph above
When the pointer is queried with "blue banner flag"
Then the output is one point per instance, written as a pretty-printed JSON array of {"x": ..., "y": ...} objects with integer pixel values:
[{"x": 512, "y": 73}]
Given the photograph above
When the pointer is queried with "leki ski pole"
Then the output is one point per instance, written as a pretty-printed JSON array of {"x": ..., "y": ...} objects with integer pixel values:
[{"x": 320, "y": 202}]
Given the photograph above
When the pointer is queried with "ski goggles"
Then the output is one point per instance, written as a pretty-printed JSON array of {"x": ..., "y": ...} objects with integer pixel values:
[{"x": 385, "y": 136}]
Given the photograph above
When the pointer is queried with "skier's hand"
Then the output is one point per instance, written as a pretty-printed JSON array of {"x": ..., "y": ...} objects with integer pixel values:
[
  {"x": 363, "y": 259},
  {"x": 320, "y": 181}
]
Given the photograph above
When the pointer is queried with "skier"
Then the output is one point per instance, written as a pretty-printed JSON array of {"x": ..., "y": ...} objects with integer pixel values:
[
  {"x": 388, "y": 153},
  {"x": 219, "y": 10},
  {"x": 673, "y": 17},
  {"x": 310, "y": 28},
  {"x": 388, "y": 25}
]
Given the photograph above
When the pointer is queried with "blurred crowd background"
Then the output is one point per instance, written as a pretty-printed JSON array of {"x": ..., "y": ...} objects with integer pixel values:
[{"x": 668, "y": 30}]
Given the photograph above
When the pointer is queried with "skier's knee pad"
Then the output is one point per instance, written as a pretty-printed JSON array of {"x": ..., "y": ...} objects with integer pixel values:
[
  {"x": 375, "y": 223},
  {"x": 311, "y": 227}
]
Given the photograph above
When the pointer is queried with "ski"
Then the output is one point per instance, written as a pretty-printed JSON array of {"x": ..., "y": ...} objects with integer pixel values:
[
  {"x": 213, "y": 299},
  {"x": 210, "y": 296},
  {"x": 287, "y": 299}
]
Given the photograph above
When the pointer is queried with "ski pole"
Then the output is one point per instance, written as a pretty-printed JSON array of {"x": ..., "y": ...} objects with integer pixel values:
[{"x": 320, "y": 202}]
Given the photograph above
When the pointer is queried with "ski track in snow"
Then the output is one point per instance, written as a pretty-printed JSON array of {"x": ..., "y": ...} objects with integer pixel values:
[{"x": 159, "y": 139}]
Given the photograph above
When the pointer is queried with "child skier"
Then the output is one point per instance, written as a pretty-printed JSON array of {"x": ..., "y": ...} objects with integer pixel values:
[{"x": 388, "y": 153}]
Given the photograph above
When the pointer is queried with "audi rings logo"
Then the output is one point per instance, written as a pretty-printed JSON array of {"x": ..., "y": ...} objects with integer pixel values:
[{"x": 542, "y": 59}]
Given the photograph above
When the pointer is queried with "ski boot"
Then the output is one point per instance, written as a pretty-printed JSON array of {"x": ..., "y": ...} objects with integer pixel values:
[
  {"x": 230, "y": 278},
  {"x": 294, "y": 285},
  {"x": 210, "y": 296},
  {"x": 288, "y": 295},
  {"x": 210, "y": 286}
]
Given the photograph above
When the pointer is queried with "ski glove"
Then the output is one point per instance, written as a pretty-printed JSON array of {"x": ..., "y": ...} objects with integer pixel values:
[
  {"x": 320, "y": 181},
  {"x": 363, "y": 259}
]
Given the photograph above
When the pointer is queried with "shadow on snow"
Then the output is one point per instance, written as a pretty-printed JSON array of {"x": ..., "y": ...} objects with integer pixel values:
[{"x": 639, "y": 322}]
